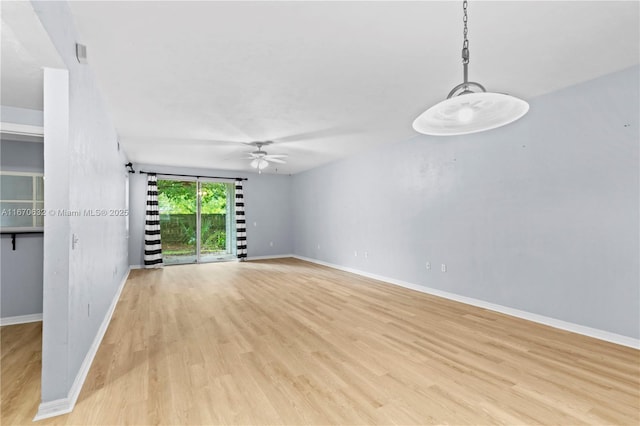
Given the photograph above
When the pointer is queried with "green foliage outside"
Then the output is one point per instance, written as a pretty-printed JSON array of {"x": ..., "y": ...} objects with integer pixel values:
[
  {"x": 177, "y": 205},
  {"x": 178, "y": 197}
]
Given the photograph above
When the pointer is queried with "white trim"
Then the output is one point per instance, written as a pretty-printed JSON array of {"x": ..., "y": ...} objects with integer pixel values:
[
  {"x": 12, "y": 173},
  {"x": 53, "y": 408},
  {"x": 21, "y": 129},
  {"x": 20, "y": 319},
  {"x": 231, "y": 259},
  {"x": 275, "y": 256},
  {"x": 65, "y": 405},
  {"x": 21, "y": 229},
  {"x": 541, "y": 319}
]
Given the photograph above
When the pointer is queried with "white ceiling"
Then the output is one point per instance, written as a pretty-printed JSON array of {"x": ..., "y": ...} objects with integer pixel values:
[
  {"x": 25, "y": 49},
  {"x": 188, "y": 82}
]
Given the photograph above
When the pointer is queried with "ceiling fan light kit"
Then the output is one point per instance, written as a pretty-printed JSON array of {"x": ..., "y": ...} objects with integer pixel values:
[
  {"x": 260, "y": 159},
  {"x": 259, "y": 163},
  {"x": 469, "y": 108}
]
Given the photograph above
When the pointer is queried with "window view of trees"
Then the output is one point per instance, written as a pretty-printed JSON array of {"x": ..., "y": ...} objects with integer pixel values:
[{"x": 178, "y": 209}]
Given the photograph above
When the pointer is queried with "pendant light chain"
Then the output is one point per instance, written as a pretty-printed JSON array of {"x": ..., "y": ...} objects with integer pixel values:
[
  {"x": 469, "y": 108},
  {"x": 465, "y": 44}
]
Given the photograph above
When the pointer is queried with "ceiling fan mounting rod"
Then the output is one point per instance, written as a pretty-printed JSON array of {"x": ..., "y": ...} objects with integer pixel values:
[{"x": 260, "y": 144}]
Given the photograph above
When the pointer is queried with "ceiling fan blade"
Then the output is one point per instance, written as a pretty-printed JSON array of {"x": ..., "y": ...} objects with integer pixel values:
[
  {"x": 184, "y": 141},
  {"x": 269, "y": 156},
  {"x": 317, "y": 134},
  {"x": 276, "y": 160}
]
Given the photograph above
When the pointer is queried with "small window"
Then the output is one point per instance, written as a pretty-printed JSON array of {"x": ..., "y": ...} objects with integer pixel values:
[{"x": 21, "y": 200}]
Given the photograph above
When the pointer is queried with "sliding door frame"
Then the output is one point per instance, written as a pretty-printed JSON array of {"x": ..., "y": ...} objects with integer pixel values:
[{"x": 230, "y": 213}]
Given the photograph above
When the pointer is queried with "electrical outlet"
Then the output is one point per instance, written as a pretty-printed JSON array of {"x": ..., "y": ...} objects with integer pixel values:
[
  {"x": 428, "y": 266},
  {"x": 366, "y": 254},
  {"x": 355, "y": 253},
  {"x": 443, "y": 267},
  {"x": 271, "y": 244}
]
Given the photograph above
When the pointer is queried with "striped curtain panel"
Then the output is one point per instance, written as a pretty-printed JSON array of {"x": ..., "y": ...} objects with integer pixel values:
[
  {"x": 241, "y": 223},
  {"x": 152, "y": 246}
]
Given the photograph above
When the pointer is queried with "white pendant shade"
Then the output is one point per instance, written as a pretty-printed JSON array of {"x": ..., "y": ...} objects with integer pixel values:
[
  {"x": 470, "y": 113},
  {"x": 259, "y": 163}
]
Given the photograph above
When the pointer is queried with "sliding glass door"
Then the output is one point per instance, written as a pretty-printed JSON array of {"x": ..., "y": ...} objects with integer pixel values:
[
  {"x": 195, "y": 220},
  {"x": 216, "y": 217}
]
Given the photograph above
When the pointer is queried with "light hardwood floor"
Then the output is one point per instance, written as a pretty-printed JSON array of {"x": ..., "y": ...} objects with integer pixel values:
[
  {"x": 21, "y": 347},
  {"x": 289, "y": 342}
]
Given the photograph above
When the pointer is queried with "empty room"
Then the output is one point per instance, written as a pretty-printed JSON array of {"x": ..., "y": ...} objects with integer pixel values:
[{"x": 320, "y": 212}]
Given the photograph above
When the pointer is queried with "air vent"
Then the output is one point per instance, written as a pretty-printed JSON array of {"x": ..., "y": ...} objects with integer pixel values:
[{"x": 81, "y": 53}]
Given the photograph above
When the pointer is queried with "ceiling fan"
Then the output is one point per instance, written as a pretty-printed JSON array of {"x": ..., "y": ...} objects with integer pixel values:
[{"x": 260, "y": 159}]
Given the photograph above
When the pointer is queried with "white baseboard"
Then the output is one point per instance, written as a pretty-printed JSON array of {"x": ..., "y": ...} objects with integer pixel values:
[
  {"x": 65, "y": 405},
  {"x": 54, "y": 408},
  {"x": 22, "y": 319},
  {"x": 249, "y": 258},
  {"x": 275, "y": 256},
  {"x": 541, "y": 319}
]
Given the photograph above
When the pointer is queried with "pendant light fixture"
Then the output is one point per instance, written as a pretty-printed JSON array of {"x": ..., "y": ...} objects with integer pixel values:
[
  {"x": 259, "y": 163},
  {"x": 469, "y": 108}
]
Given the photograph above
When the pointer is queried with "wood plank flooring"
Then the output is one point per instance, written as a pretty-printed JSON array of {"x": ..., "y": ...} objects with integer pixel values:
[
  {"x": 21, "y": 362},
  {"x": 289, "y": 342}
]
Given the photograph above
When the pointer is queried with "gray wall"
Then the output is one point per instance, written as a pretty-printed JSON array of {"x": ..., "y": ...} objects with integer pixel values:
[
  {"x": 21, "y": 289},
  {"x": 84, "y": 170},
  {"x": 20, "y": 156},
  {"x": 32, "y": 117},
  {"x": 267, "y": 210},
  {"x": 541, "y": 215},
  {"x": 21, "y": 276}
]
